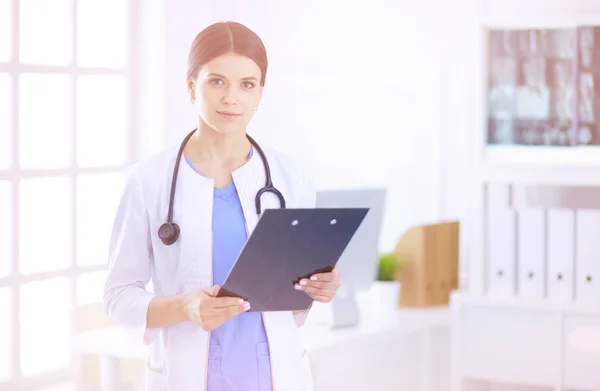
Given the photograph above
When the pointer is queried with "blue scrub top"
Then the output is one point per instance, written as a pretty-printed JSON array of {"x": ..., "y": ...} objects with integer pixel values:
[{"x": 238, "y": 358}]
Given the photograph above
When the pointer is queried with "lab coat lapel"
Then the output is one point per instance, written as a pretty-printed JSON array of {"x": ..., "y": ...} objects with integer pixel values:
[
  {"x": 187, "y": 343},
  {"x": 195, "y": 194},
  {"x": 249, "y": 179}
]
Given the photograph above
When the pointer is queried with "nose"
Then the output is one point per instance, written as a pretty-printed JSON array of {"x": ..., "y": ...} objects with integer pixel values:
[{"x": 229, "y": 98}]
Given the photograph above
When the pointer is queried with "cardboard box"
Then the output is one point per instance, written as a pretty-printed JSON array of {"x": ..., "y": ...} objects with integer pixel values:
[{"x": 429, "y": 264}]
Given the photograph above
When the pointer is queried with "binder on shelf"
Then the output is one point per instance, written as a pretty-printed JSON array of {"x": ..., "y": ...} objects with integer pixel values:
[
  {"x": 587, "y": 256},
  {"x": 531, "y": 253},
  {"x": 501, "y": 242},
  {"x": 560, "y": 248}
]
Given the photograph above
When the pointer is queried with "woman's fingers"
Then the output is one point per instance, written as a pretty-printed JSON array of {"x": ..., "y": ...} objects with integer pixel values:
[
  {"x": 221, "y": 310},
  {"x": 325, "y": 291},
  {"x": 321, "y": 287},
  {"x": 214, "y": 311},
  {"x": 331, "y": 276},
  {"x": 317, "y": 286},
  {"x": 224, "y": 302}
]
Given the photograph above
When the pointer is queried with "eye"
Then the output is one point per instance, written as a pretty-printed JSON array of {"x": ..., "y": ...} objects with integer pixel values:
[
  {"x": 248, "y": 84},
  {"x": 217, "y": 82}
]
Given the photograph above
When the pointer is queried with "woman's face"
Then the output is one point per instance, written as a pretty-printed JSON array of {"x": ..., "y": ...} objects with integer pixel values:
[{"x": 227, "y": 92}]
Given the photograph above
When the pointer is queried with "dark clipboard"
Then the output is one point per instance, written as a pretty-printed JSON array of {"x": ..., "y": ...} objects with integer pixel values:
[{"x": 286, "y": 246}]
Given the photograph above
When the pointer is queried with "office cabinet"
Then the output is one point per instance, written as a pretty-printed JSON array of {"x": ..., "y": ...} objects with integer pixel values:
[
  {"x": 581, "y": 338},
  {"x": 510, "y": 345},
  {"x": 535, "y": 131},
  {"x": 544, "y": 346}
]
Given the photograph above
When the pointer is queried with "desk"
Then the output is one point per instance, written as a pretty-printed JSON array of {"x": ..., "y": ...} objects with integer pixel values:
[
  {"x": 375, "y": 346},
  {"x": 394, "y": 349}
]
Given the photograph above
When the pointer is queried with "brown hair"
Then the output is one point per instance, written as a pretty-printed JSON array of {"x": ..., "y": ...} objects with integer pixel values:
[{"x": 226, "y": 37}]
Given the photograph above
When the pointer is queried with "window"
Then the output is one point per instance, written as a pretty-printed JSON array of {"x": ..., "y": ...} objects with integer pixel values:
[{"x": 67, "y": 132}]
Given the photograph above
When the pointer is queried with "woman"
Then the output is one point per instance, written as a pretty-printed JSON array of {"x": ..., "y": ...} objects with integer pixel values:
[{"x": 199, "y": 341}]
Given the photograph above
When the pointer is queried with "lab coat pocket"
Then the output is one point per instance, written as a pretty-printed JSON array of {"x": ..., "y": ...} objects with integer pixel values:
[
  {"x": 263, "y": 360},
  {"x": 154, "y": 380}
]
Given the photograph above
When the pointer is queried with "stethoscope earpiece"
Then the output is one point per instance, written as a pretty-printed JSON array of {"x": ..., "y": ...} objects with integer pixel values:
[{"x": 168, "y": 233}]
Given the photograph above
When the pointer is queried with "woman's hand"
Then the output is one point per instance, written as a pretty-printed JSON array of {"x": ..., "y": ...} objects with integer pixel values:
[
  {"x": 209, "y": 312},
  {"x": 321, "y": 287}
]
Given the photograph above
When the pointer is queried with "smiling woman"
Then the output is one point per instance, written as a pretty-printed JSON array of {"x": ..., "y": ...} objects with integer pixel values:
[
  {"x": 230, "y": 91},
  {"x": 229, "y": 74},
  {"x": 227, "y": 68},
  {"x": 186, "y": 238}
]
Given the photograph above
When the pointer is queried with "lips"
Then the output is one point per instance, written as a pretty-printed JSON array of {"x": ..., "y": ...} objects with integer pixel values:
[{"x": 228, "y": 114}]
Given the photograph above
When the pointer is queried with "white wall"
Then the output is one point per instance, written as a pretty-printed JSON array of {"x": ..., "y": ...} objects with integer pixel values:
[{"x": 358, "y": 91}]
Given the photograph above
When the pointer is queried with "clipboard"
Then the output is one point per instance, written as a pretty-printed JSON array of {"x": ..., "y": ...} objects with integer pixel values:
[{"x": 286, "y": 246}]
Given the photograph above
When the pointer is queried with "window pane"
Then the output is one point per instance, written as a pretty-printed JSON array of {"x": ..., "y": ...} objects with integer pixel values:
[
  {"x": 101, "y": 120},
  {"x": 45, "y": 32},
  {"x": 90, "y": 287},
  {"x": 5, "y": 335},
  {"x": 98, "y": 46},
  {"x": 97, "y": 200},
  {"x": 5, "y": 129},
  {"x": 45, "y": 325},
  {"x": 45, "y": 224},
  {"x": 5, "y": 229},
  {"x": 5, "y": 30},
  {"x": 45, "y": 138}
]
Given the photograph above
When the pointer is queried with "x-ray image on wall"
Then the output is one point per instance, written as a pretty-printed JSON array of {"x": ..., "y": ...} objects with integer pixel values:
[
  {"x": 543, "y": 86},
  {"x": 588, "y": 86}
]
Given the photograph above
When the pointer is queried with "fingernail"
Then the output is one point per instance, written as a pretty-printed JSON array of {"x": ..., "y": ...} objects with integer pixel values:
[
  {"x": 297, "y": 287},
  {"x": 313, "y": 278},
  {"x": 241, "y": 301},
  {"x": 246, "y": 306},
  {"x": 303, "y": 282}
]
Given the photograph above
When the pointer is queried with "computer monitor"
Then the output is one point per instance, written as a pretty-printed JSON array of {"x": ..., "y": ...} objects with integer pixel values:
[{"x": 358, "y": 264}]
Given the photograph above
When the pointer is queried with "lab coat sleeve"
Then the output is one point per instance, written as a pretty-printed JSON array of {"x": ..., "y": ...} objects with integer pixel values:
[
  {"x": 308, "y": 199},
  {"x": 126, "y": 299}
]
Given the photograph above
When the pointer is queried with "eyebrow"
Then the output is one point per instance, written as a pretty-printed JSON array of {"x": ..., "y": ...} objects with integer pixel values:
[{"x": 223, "y": 77}]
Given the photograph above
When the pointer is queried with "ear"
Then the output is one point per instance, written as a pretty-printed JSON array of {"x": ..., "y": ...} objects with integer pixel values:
[{"x": 191, "y": 86}]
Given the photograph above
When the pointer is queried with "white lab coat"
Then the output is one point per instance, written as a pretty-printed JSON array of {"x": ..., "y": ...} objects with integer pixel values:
[{"x": 178, "y": 354}]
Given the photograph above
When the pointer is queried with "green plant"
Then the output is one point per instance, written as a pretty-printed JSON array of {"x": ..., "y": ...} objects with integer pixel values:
[{"x": 388, "y": 264}]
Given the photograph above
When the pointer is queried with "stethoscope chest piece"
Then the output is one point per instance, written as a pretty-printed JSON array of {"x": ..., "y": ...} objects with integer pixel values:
[{"x": 168, "y": 233}]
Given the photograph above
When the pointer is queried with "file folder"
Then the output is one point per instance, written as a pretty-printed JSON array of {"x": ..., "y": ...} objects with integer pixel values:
[
  {"x": 286, "y": 246},
  {"x": 561, "y": 255},
  {"x": 531, "y": 253}
]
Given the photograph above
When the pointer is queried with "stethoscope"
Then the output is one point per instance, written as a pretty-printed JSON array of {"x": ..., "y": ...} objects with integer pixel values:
[{"x": 169, "y": 231}]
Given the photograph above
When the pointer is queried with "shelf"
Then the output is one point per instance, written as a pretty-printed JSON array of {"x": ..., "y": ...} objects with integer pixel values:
[
  {"x": 459, "y": 299},
  {"x": 577, "y": 156}
]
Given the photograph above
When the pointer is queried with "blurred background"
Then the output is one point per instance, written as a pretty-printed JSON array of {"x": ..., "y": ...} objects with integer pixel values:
[{"x": 477, "y": 117}]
